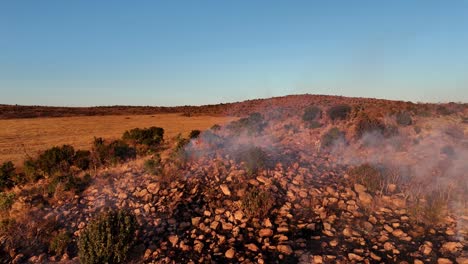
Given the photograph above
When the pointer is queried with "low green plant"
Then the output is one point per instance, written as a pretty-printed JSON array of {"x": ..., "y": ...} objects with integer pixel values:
[
  {"x": 331, "y": 137},
  {"x": 194, "y": 134},
  {"x": 153, "y": 165},
  {"x": 6, "y": 200},
  {"x": 108, "y": 238},
  {"x": 368, "y": 176},
  {"x": 7, "y": 175},
  {"x": 151, "y": 137},
  {"x": 257, "y": 202},
  {"x": 253, "y": 157},
  {"x": 339, "y": 112},
  {"x": 59, "y": 242}
]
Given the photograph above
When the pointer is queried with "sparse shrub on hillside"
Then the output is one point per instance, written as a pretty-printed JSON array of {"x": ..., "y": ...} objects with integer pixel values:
[
  {"x": 331, "y": 136},
  {"x": 455, "y": 132},
  {"x": 435, "y": 206},
  {"x": 104, "y": 153},
  {"x": 7, "y": 175},
  {"x": 368, "y": 125},
  {"x": 443, "y": 110},
  {"x": 108, "y": 238},
  {"x": 212, "y": 139},
  {"x": 56, "y": 160},
  {"x": 254, "y": 158},
  {"x": 404, "y": 119},
  {"x": 368, "y": 176},
  {"x": 311, "y": 113},
  {"x": 417, "y": 129},
  {"x": 6, "y": 200},
  {"x": 151, "y": 137},
  {"x": 253, "y": 124},
  {"x": 194, "y": 134},
  {"x": 153, "y": 165},
  {"x": 339, "y": 112},
  {"x": 31, "y": 171},
  {"x": 216, "y": 127},
  {"x": 66, "y": 183},
  {"x": 448, "y": 150},
  {"x": 257, "y": 202},
  {"x": 82, "y": 159},
  {"x": 59, "y": 242}
]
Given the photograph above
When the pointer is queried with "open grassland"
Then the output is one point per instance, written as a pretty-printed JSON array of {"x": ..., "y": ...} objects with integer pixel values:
[{"x": 22, "y": 137}]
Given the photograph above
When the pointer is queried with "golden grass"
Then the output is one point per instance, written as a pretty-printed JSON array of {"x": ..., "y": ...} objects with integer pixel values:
[{"x": 22, "y": 137}]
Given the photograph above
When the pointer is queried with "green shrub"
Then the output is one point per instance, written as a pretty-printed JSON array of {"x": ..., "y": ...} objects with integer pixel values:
[
  {"x": 369, "y": 125},
  {"x": 339, "y": 112},
  {"x": 82, "y": 159},
  {"x": 108, "y": 238},
  {"x": 68, "y": 182},
  {"x": 254, "y": 158},
  {"x": 253, "y": 124},
  {"x": 31, "y": 170},
  {"x": 6, "y": 201},
  {"x": 56, "y": 160},
  {"x": 112, "y": 153},
  {"x": 331, "y": 136},
  {"x": 153, "y": 165},
  {"x": 7, "y": 175},
  {"x": 151, "y": 137},
  {"x": 311, "y": 113},
  {"x": 257, "y": 202},
  {"x": 194, "y": 134},
  {"x": 59, "y": 243},
  {"x": 216, "y": 127},
  {"x": 404, "y": 119},
  {"x": 368, "y": 176}
]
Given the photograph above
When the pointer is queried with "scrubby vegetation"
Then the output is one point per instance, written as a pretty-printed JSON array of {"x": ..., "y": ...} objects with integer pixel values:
[
  {"x": 257, "y": 202},
  {"x": 150, "y": 138},
  {"x": 368, "y": 176},
  {"x": 332, "y": 136},
  {"x": 310, "y": 116},
  {"x": 254, "y": 158},
  {"x": 339, "y": 112},
  {"x": 404, "y": 119},
  {"x": 7, "y": 174},
  {"x": 153, "y": 165},
  {"x": 104, "y": 153},
  {"x": 194, "y": 134},
  {"x": 252, "y": 124},
  {"x": 108, "y": 238}
]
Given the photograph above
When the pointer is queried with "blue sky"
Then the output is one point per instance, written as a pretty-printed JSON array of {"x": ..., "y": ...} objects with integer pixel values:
[{"x": 80, "y": 53}]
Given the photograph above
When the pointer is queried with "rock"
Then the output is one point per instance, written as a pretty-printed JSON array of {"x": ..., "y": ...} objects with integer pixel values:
[
  {"x": 285, "y": 249},
  {"x": 426, "y": 248},
  {"x": 365, "y": 198},
  {"x": 81, "y": 225},
  {"x": 398, "y": 233},
  {"x": 196, "y": 221},
  {"x": 359, "y": 188},
  {"x": 198, "y": 246},
  {"x": 375, "y": 257},
  {"x": 462, "y": 260},
  {"x": 153, "y": 188},
  {"x": 122, "y": 196},
  {"x": 417, "y": 261},
  {"x": 444, "y": 261},
  {"x": 388, "y": 228},
  {"x": 318, "y": 259},
  {"x": 452, "y": 247},
  {"x": 230, "y": 253},
  {"x": 354, "y": 257},
  {"x": 173, "y": 239},
  {"x": 252, "y": 247},
  {"x": 265, "y": 232},
  {"x": 225, "y": 189},
  {"x": 214, "y": 225},
  {"x": 238, "y": 215},
  {"x": 388, "y": 246},
  {"x": 347, "y": 232}
]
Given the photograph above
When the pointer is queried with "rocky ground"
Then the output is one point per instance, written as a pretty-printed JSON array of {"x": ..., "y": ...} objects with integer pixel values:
[{"x": 317, "y": 214}]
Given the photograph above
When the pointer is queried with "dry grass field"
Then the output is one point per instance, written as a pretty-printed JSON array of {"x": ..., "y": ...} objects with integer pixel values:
[{"x": 22, "y": 137}]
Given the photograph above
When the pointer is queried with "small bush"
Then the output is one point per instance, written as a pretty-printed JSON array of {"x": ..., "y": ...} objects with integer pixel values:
[
  {"x": 68, "y": 182},
  {"x": 6, "y": 201},
  {"x": 59, "y": 243},
  {"x": 368, "y": 125},
  {"x": 216, "y": 127},
  {"x": 253, "y": 124},
  {"x": 194, "y": 134},
  {"x": 153, "y": 165},
  {"x": 108, "y": 238},
  {"x": 339, "y": 112},
  {"x": 257, "y": 202},
  {"x": 367, "y": 176},
  {"x": 82, "y": 159},
  {"x": 311, "y": 113},
  {"x": 7, "y": 175},
  {"x": 404, "y": 119},
  {"x": 112, "y": 153},
  {"x": 56, "y": 160},
  {"x": 333, "y": 135},
  {"x": 435, "y": 206},
  {"x": 150, "y": 137},
  {"x": 254, "y": 158}
]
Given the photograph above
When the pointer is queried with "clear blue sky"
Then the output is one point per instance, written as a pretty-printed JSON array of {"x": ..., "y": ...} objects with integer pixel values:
[{"x": 198, "y": 52}]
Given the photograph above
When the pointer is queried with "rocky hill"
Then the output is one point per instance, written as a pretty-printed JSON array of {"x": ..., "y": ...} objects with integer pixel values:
[{"x": 307, "y": 179}]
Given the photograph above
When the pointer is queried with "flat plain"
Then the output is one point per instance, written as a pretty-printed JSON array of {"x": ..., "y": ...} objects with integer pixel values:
[{"x": 22, "y": 137}]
